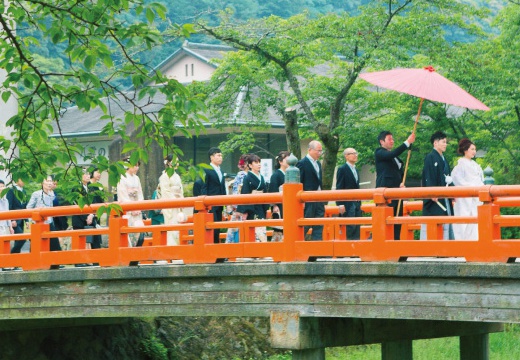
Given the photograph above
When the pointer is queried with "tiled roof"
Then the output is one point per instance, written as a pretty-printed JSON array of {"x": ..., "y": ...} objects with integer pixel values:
[{"x": 78, "y": 122}]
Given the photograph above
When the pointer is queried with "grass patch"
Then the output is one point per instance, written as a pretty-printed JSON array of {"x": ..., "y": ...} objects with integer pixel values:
[{"x": 504, "y": 345}]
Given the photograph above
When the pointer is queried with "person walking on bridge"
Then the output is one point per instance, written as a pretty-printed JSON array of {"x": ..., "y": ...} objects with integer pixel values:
[
  {"x": 467, "y": 172},
  {"x": 17, "y": 198},
  {"x": 171, "y": 188},
  {"x": 44, "y": 198},
  {"x": 276, "y": 185},
  {"x": 390, "y": 168},
  {"x": 128, "y": 190},
  {"x": 347, "y": 177},
  {"x": 254, "y": 183},
  {"x": 436, "y": 172},
  {"x": 311, "y": 177},
  {"x": 215, "y": 184},
  {"x": 6, "y": 227}
]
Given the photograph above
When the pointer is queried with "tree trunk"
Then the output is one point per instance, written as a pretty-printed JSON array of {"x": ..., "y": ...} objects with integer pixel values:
[
  {"x": 331, "y": 146},
  {"x": 291, "y": 132}
]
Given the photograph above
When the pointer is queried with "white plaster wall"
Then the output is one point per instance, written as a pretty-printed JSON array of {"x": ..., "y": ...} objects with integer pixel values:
[
  {"x": 7, "y": 110},
  {"x": 201, "y": 70}
]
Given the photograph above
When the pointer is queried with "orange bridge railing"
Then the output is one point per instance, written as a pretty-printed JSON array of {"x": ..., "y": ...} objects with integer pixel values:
[{"x": 197, "y": 237}]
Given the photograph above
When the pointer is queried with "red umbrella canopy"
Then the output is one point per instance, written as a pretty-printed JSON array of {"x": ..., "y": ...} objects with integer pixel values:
[{"x": 424, "y": 83}]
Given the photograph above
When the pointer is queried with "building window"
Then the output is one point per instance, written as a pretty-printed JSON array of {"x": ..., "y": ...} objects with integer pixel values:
[
  {"x": 186, "y": 66},
  {"x": 192, "y": 69}
]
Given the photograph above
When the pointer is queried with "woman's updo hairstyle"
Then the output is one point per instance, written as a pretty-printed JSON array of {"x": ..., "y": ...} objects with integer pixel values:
[
  {"x": 464, "y": 145},
  {"x": 279, "y": 158},
  {"x": 168, "y": 160}
]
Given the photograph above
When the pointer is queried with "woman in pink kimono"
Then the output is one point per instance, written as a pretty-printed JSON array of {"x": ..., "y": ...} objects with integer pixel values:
[
  {"x": 129, "y": 189},
  {"x": 171, "y": 188},
  {"x": 466, "y": 173}
]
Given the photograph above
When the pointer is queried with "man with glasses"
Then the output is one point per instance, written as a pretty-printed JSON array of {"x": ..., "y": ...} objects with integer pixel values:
[
  {"x": 347, "y": 177},
  {"x": 390, "y": 169},
  {"x": 311, "y": 178}
]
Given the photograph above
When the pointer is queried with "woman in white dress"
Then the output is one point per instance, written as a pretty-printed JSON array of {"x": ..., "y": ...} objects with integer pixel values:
[
  {"x": 466, "y": 173},
  {"x": 6, "y": 227},
  {"x": 171, "y": 188},
  {"x": 129, "y": 189}
]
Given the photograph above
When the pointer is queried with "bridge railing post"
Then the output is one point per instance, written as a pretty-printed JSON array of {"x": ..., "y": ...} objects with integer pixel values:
[
  {"x": 488, "y": 230},
  {"x": 292, "y": 211},
  {"x": 201, "y": 235},
  {"x": 38, "y": 243},
  {"x": 116, "y": 240},
  {"x": 381, "y": 230}
]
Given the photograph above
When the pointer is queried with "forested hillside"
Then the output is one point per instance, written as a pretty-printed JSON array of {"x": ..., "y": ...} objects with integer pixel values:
[{"x": 187, "y": 11}]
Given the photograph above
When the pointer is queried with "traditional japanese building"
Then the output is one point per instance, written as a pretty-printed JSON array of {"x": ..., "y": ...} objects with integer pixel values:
[{"x": 192, "y": 62}]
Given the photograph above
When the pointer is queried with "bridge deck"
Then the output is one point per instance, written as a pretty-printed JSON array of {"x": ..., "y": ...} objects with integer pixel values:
[{"x": 420, "y": 291}]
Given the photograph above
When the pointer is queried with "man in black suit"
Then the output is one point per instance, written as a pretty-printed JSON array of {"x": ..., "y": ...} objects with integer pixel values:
[
  {"x": 347, "y": 177},
  {"x": 17, "y": 201},
  {"x": 198, "y": 185},
  {"x": 390, "y": 169},
  {"x": 437, "y": 172},
  {"x": 311, "y": 178},
  {"x": 215, "y": 184}
]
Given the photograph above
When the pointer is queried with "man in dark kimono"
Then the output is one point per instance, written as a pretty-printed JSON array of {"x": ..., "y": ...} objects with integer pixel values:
[{"x": 436, "y": 172}]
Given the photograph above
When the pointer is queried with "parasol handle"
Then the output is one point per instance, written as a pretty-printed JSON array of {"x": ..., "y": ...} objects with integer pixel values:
[{"x": 410, "y": 152}]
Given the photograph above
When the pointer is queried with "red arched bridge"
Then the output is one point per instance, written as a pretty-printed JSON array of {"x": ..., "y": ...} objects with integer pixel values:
[
  {"x": 312, "y": 305},
  {"x": 197, "y": 237}
]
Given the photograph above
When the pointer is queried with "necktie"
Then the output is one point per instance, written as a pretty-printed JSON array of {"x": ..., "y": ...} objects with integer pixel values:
[
  {"x": 353, "y": 168},
  {"x": 316, "y": 167}
]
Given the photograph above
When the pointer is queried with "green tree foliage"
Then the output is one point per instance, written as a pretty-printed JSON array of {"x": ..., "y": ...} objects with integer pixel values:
[
  {"x": 313, "y": 64},
  {"x": 489, "y": 69},
  {"x": 101, "y": 47},
  {"x": 492, "y": 73}
]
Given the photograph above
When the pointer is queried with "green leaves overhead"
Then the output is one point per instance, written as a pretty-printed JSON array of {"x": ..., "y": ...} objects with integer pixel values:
[
  {"x": 311, "y": 63},
  {"x": 101, "y": 41}
]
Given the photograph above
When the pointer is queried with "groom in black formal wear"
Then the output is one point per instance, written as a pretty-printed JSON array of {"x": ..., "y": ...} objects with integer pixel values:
[
  {"x": 311, "y": 178},
  {"x": 214, "y": 184}
]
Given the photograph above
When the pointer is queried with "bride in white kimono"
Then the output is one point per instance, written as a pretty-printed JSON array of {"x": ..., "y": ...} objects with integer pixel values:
[
  {"x": 466, "y": 173},
  {"x": 171, "y": 188},
  {"x": 129, "y": 189}
]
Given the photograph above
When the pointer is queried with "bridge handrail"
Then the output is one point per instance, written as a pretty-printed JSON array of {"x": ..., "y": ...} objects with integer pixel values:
[
  {"x": 201, "y": 249},
  {"x": 503, "y": 195}
]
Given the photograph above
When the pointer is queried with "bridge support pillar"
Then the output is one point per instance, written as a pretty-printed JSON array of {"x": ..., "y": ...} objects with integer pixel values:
[
  {"x": 474, "y": 347},
  {"x": 397, "y": 350},
  {"x": 308, "y": 337},
  {"x": 309, "y": 354}
]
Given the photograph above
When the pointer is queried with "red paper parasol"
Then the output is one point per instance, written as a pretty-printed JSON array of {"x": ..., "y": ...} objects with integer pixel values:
[{"x": 423, "y": 83}]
